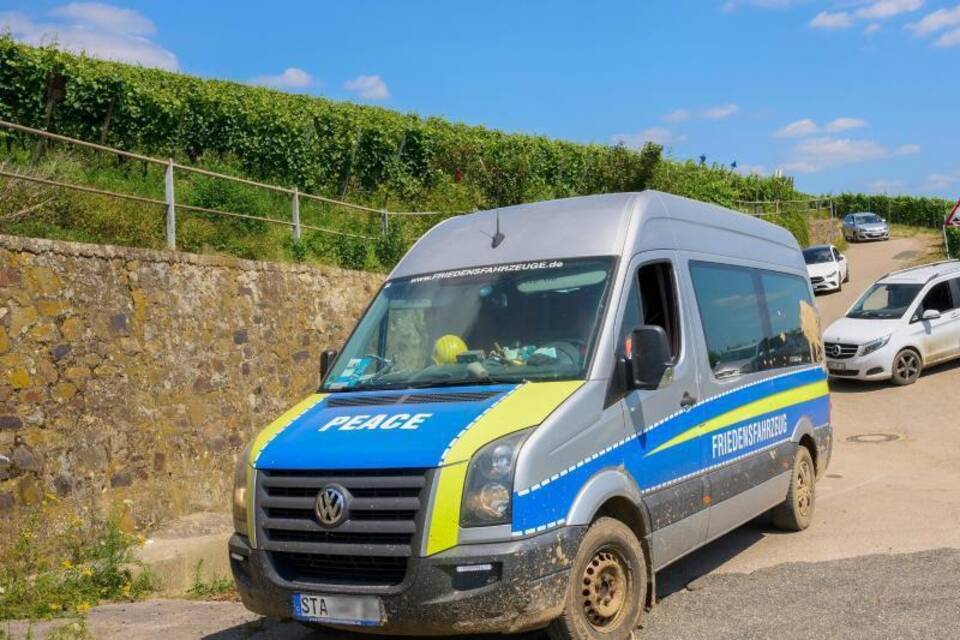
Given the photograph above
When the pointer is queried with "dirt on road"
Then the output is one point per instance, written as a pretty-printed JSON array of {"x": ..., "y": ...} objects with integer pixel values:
[{"x": 881, "y": 497}]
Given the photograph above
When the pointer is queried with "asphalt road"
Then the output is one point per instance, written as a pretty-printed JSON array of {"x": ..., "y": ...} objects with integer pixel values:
[{"x": 881, "y": 560}]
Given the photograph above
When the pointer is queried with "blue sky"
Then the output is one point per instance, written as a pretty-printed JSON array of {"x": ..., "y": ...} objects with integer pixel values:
[{"x": 845, "y": 95}]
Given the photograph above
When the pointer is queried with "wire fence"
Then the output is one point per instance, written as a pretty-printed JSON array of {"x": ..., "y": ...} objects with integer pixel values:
[
  {"x": 171, "y": 206},
  {"x": 809, "y": 206}
]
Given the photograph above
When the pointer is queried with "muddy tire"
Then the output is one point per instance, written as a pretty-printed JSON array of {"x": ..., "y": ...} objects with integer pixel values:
[
  {"x": 796, "y": 512},
  {"x": 608, "y": 586},
  {"x": 907, "y": 366}
]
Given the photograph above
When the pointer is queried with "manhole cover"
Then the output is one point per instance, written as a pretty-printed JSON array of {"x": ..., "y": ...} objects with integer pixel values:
[{"x": 873, "y": 438}]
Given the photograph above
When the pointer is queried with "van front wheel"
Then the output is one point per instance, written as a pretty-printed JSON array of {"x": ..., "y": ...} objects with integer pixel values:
[
  {"x": 796, "y": 512},
  {"x": 608, "y": 586}
]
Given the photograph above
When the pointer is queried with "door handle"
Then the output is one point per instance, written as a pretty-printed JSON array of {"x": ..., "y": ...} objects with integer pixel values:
[{"x": 687, "y": 401}]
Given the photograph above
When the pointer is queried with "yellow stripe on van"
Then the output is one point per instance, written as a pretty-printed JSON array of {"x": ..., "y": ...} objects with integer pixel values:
[
  {"x": 264, "y": 437},
  {"x": 261, "y": 441},
  {"x": 526, "y": 406},
  {"x": 752, "y": 410}
]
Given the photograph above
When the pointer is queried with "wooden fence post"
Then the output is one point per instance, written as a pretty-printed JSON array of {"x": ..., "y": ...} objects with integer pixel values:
[
  {"x": 171, "y": 207},
  {"x": 296, "y": 214}
]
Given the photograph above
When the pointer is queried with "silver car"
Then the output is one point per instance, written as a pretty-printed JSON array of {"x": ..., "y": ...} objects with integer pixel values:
[{"x": 865, "y": 226}]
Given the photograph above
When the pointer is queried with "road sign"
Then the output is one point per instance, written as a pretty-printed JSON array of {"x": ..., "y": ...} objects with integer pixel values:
[{"x": 953, "y": 220}]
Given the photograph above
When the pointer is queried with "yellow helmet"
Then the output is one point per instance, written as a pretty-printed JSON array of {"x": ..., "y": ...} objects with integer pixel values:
[{"x": 447, "y": 348}]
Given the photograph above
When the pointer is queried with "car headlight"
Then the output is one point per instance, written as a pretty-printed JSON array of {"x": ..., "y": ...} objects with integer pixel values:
[
  {"x": 874, "y": 345},
  {"x": 488, "y": 491},
  {"x": 240, "y": 497}
]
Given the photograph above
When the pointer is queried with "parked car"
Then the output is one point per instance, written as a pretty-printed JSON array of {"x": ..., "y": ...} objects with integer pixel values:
[
  {"x": 865, "y": 226},
  {"x": 906, "y": 321},
  {"x": 827, "y": 267},
  {"x": 520, "y": 433}
]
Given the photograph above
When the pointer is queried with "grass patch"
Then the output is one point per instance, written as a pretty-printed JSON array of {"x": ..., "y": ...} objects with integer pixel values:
[
  {"x": 48, "y": 574},
  {"x": 218, "y": 588}
]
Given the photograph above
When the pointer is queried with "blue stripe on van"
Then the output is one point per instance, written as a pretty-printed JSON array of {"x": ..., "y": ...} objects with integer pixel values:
[{"x": 546, "y": 505}]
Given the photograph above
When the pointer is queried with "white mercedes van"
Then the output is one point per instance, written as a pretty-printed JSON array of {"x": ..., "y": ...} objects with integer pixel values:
[{"x": 905, "y": 321}]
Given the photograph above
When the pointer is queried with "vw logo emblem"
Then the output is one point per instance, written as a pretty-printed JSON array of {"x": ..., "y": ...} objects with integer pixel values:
[{"x": 331, "y": 505}]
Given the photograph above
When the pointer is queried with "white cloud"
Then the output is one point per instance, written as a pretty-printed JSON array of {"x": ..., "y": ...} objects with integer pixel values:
[
  {"x": 718, "y": 112},
  {"x": 798, "y": 129},
  {"x": 827, "y": 20},
  {"x": 680, "y": 115},
  {"x": 871, "y": 29},
  {"x": 291, "y": 78},
  {"x": 721, "y": 112},
  {"x": 368, "y": 87},
  {"x": 908, "y": 150},
  {"x": 106, "y": 17},
  {"x": 751, "y": 170},
  {"x": 845, "y": 124},
  {"x": 886, "y": 186},
  {"x": 936, "y": 21},
  {"x": 104, "y": 32},
  {"x": 657, "y": 135},
  {"x": 941, "y": 181},
  {"x": 949, "y": 39},
  {"x": 733, "y": 5},
  {"x": 817, "y": 154},
  {"x": 888, "y": 8}
]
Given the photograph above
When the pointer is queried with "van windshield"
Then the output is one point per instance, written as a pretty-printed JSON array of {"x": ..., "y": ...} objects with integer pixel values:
[
  {"x": 885, "y": 301},
  {"x": 484, "y": 325}
]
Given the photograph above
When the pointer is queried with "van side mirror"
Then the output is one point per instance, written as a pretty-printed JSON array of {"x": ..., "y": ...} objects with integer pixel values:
[
  {"x": 930, "y": 314},
  {"x": 326, "y": 361},
  {"x": 648, "y": 353}
]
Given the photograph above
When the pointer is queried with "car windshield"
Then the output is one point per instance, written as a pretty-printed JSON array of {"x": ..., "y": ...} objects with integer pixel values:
[
  {"x": 868, "y": 218},
  {"x": 503, "y": 323},
  {"x": 885, "y": 301},
  {"x": 818, "y": 255}
]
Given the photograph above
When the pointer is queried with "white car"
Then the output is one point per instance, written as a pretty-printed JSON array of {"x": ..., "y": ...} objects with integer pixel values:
[
  {"x": 906, "y": 321},
  {"x": 827, "y": 267}
]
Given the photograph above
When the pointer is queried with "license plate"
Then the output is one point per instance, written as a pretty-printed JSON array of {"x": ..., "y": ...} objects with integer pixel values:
[
  {"x": 836, "y": 366},
  {"x": 362, "y": 611}
]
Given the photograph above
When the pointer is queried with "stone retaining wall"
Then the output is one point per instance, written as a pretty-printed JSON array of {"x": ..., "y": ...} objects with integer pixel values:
[{"x": 132, "y": 378}]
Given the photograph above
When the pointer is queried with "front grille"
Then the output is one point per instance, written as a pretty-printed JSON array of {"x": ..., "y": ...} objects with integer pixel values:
[
  {"x": 839, "y": 351},
  {"x": 816, "y": 279},
  {"x": 408, "y": 398},
  {"x": 370, "y": 547},
  {"x": 340, "y": 570}
]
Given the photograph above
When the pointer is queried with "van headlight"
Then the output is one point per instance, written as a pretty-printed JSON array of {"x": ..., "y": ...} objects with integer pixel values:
[
  {"x": 874, "y": 345},
  {"x": 240, "y": 497},
  {"x": 488, "y": 491}
]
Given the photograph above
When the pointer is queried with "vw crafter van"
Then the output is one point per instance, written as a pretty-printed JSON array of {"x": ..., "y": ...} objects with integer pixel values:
[{"x": 542, "y": 407}]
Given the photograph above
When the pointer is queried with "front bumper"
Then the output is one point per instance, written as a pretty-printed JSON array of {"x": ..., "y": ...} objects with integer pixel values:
[
  {"x": 875, "y": 366},
  {"x": 526, "y": 589},
  {"x": 873, "y": 235},
  {"x": 826, "y": 284}
]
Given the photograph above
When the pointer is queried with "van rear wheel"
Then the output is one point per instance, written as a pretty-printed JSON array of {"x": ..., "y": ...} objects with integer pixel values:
[
  {"x": 608, "y": 586},
  {"x": 796, "y": 512}
]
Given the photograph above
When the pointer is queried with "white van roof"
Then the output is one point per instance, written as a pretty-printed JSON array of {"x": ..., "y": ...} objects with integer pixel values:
[{"x": 601, "y": 225}]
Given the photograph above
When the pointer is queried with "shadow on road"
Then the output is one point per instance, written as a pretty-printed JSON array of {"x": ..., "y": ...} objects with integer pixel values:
[{"x": 677, "y": 576}]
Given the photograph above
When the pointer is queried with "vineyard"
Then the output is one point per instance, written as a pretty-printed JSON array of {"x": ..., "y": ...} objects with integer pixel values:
[{"x": 367, "y": 155}]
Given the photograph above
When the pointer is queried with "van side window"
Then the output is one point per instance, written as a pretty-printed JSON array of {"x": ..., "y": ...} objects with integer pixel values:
[
  {"x": 730, "y": 313},
  {"x": 658, "y": 301},
  {"x": 939, "y": 298},
  {"x": 794, "y": 325}
]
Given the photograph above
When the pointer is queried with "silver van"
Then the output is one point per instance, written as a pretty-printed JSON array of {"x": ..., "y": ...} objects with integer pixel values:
[{"x": 542, "y": 407}]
